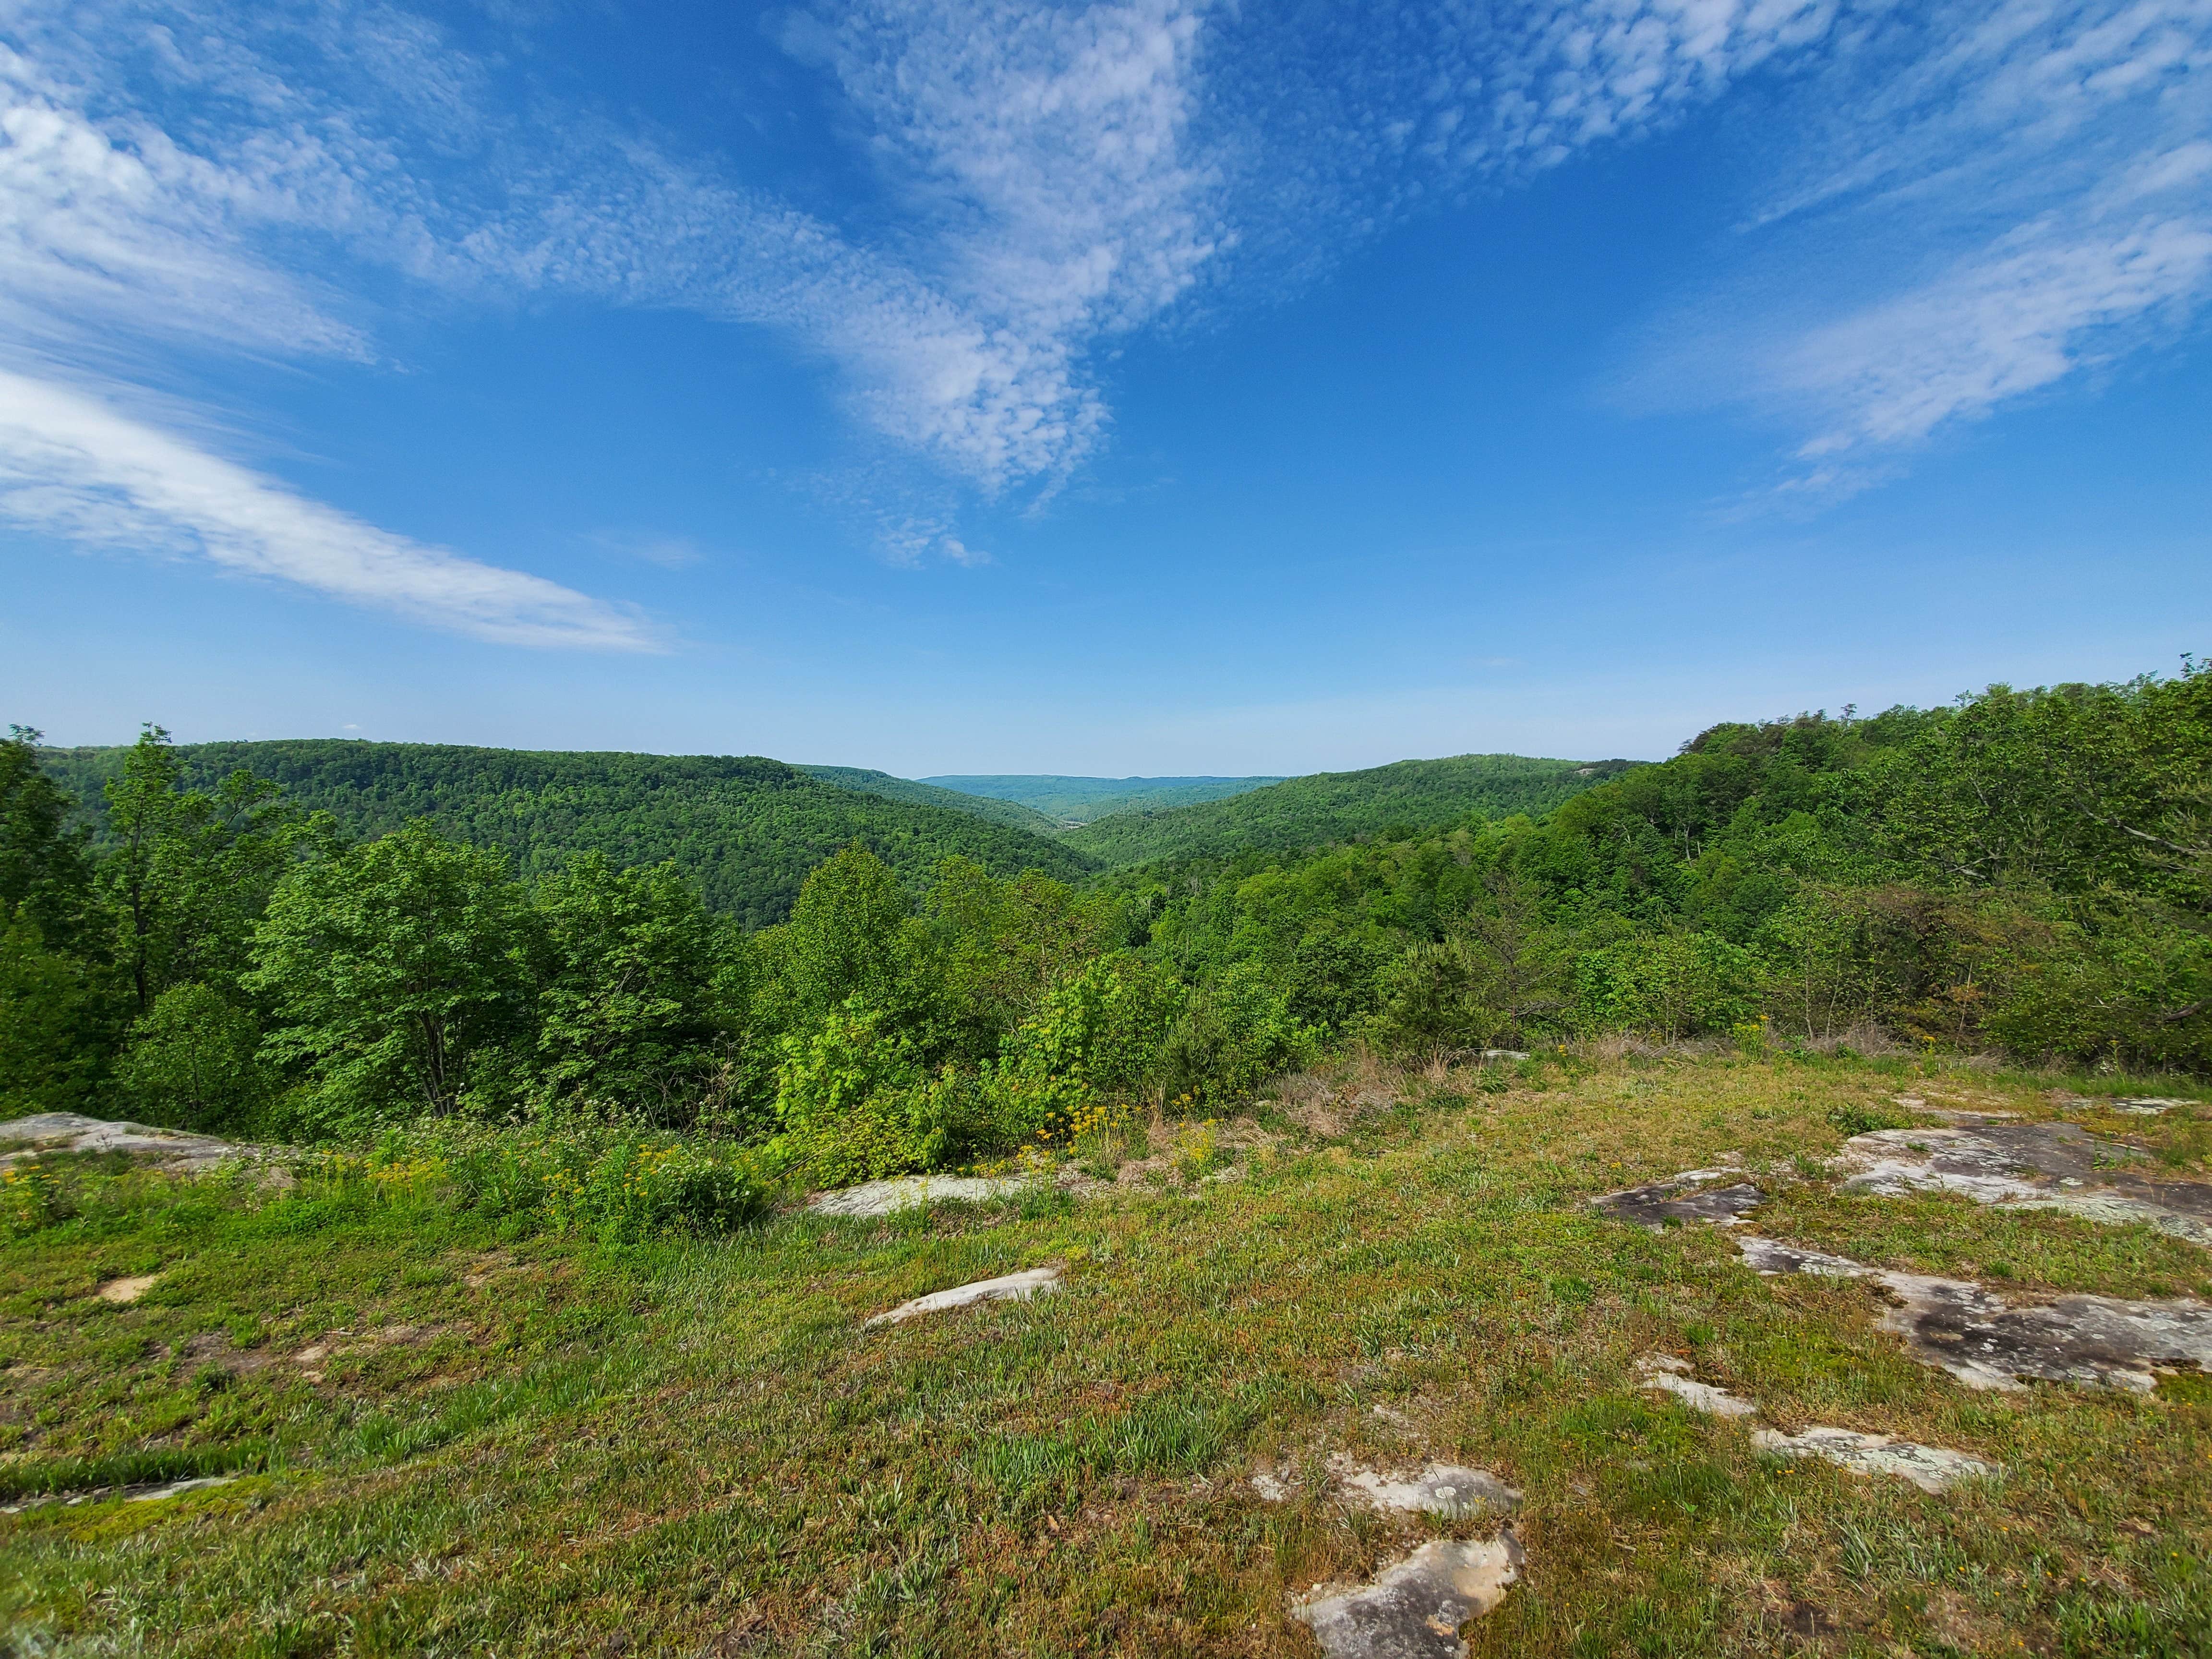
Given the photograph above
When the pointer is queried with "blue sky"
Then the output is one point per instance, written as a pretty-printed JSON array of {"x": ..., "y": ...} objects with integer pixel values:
[{"x": 1151, "y": 387}]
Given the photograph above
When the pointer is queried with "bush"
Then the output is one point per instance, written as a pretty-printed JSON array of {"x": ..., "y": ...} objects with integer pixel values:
[
  {"x": 1099, "y": 1037},
  {"x": 192, "y": 1063},
  {"x": 621, "y": 1189},
  {"x": 1233, "y": 1036},
  {"x": 857, "y": 1105},
  {"x": 1438, "y": 997},
  {"x": 57, "y": 1023},
  {"x": 1855, "y": 1119},
  {"x": 2137, "y": 990},
  {"x": 1671, "y": 985},
  {"x": 30, "y": 1198}
]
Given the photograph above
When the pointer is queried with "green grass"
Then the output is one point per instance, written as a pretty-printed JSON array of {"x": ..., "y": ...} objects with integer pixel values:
[{"x": 694, "y": 1447}]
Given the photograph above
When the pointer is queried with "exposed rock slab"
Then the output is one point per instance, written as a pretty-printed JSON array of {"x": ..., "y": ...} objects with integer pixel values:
[
  {"x": 1451, "y": 1490},
  {"x": 1676, "y": 1199},
  {"x": 2028, "y": 1166},
  {"x": 884, "y": 1197},
  {"x": 1987, "y": 1341},
  {"x": 127, "y": 1289},
  {"x": 1414, "y": 1609},
  {"x": 1931, "y": 1468},
  {"x": 2148, "y": 1105},
  {"x": 1668, "y": 1373},
  {"x": 1771, "y": 1256},
  {"x": 177, "y": 1488},
  {"x": 1007, "y": 1287},
  {"x": 69, "y": 1132},
  {"x": 2097, "y": 1341}
]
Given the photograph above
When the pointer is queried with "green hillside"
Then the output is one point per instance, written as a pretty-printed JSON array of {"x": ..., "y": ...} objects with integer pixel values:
[
  {"x": 1068, "y": 801},
  {"x": 748, "y": 830},
  {"x": 1009, "y": 812},
  {"x": 1333, "y": 807}
]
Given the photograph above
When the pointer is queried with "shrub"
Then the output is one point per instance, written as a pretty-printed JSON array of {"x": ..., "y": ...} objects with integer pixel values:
[
  {"x": 192, "y": 1063},
  {"x": 56, "y": 1023},
  {"x": 1438, "y": 997},
  {"x": 1099, "y": 1037},
  {"x": 30, "y": 1198},
  {"x": 857, "y": 1105},
  {"x": 1234, "y": 1034},
  {"x": 633, "y": 1191},
  {"x": 1858, "y": 1119},
  {"x": 1670, "y": 985},
  {"x": 621, "y": 1188},
  {"x": 2137, "y": 989}
]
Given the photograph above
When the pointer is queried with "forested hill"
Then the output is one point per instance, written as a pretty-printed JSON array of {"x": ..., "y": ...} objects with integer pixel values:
[
  {"x": 747, "y": 830},
  {"x": 1067, "y": 802},
  {"x": 1337, "y": 807},
  {"x": 1009, "y": 812}
]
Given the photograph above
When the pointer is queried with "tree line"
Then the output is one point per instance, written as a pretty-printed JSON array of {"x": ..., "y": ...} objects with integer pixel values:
[{"x": 2029, "y": 871}]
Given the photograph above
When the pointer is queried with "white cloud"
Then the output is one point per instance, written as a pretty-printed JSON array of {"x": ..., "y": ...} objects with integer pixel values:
[
  {"x": 71, "y": 466},
  {"x": 1988, "y": 200},
  {"x": 2016, "y": 320},
  {"x": 669, "y": 552},
  {"x": 1041, "y": 155},
  {"x": 107, "y": 229},
  {"x": 1053, "y": 177}
]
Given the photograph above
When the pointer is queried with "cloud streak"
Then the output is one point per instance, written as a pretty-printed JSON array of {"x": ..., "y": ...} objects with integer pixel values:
[
  {"x": 2033, "y": 309},
  {"x": 74, "y": 468},
  {"x": 2039, "y": 171}
]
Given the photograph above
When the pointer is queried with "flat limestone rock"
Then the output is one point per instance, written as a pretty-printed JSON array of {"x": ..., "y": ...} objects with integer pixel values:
[
  {"x": 2095, "y": 1341},
  {"x": 2148, "y": 1105},
  {"x": 1989, "y": 1342},
  {"x": 127, "y": 1289},
  {"x": 1658, "y": 1202},
  {"x": 1446, "y": 1489},
  {"x": 1771, "y": 1256},
  {"x": 1670, "y": 1374},
  {"x": 1007, "y": 1287},
  {"x": 2028, "y": 1166},
  {"x": 1414, "y": 1607},
  {"x": 884, "y": 1197},
  {"x": 69, "y": 1132},
  {"x": 1929, "y": 1467},
  {"x": 177, "y": 1488}
]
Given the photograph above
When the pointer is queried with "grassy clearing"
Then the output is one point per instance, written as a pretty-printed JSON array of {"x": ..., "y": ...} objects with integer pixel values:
[{"x": 519, "y": 1442}]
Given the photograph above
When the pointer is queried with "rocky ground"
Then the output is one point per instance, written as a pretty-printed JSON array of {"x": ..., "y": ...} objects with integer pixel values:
[{"x": 1647, "y": 1354}]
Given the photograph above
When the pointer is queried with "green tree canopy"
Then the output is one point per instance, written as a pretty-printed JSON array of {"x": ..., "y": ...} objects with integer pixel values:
[{"x": 399, "y": 971}]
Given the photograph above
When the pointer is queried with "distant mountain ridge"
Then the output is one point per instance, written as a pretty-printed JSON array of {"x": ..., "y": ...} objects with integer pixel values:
[
  {"x": 1338, "y": 806},
  {"x": 997, "y": 810},
  {"x": 1068, "y": 801},
  {"x": 747, "y": 829}
]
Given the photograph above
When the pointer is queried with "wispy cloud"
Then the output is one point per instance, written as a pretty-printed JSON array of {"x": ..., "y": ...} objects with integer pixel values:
[
  {"x": 1041, "y": 155},
  {"x": 1050, "y": 178},
  {"x": 72, "y": 467},
  {"x": 117, "y": 228},
  {"x": 2016, "y": 192},
  {"x": 668, "y": 552},
  {"x": 2018, "y": 318}
]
